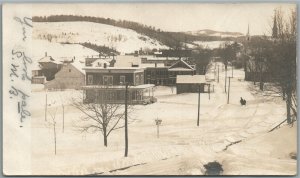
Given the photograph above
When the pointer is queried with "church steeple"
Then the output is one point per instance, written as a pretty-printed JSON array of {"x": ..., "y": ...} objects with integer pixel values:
[
  {"x": 248, "y": 34},
  {"x": 274, "y": 29}
]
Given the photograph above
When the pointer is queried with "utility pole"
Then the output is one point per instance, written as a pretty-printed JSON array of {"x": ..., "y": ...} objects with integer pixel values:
[
  {"x": 228, "y": 90},
  {"x": 218, "y": 74},
  {"x": 63, "y": 107},
  {"x": 198, "y": 106},
  {"x": 46, "y": 108},
  {"x": 225, "y": 77},
  {"x": 126, "y": 126},
  {"x": 209, "y": 91}
]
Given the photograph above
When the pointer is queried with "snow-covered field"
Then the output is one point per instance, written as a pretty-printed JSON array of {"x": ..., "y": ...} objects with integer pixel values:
[
  {"x": 121, "y": 39},
  {"x": 60, "y": 51},
  {"x": 183, "y": 148}
]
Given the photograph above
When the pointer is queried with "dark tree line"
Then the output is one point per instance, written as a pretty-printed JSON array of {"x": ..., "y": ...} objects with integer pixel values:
[{"x": 101, "y": 49}]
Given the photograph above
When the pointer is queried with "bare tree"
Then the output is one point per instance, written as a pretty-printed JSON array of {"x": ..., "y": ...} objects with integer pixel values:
[
  {"x": 101, "y": 117},
  {"x": 53, "y": 124},
  {"x": 285, "y": 59}
]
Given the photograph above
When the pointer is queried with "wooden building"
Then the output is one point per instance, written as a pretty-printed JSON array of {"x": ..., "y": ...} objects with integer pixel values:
[
  {"x": 49, "y": 66},
  {"x": 159, "y": 74},
  {"x": 190, "y": 83},
  {"x": 71, "y": 76},
  {"x": 37, "y": 76},
  {"x": 107, "y": 84},
  {"x": 179, "y": 68}
]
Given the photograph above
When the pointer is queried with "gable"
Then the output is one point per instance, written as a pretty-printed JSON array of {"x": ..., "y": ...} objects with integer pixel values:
[
  {"x": 181, "y": 64},
  {"x": 69, "y": 71}
]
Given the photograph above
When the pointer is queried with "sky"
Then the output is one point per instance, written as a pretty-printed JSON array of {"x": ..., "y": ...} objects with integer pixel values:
[{"x": 179, "y": 16}]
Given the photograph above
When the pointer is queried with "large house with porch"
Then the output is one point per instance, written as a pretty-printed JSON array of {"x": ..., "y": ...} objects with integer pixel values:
[{"x": 106, "y": 84}]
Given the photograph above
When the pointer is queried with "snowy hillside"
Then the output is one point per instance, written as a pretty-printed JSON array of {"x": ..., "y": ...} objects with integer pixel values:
[
  {"x": 60, "y": 51},
  {"x": 121, "y": 39}
]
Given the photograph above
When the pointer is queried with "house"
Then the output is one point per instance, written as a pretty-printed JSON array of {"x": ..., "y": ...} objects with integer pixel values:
[
  {"x": 156, "y": 73},
  {"x": 71, "y": 76},
  {"x": 160, "y": 74},
  {"x": 37, "y": 74},
  {"x": 49, "y": 66},
  {"x": 190, "y": 83},
  {"x": 106, "y": 83}
]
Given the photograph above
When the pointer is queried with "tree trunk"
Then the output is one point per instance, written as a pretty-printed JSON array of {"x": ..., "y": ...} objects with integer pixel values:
[
  {"x": 283, "y": 92},
  {"x": 261, "y": 83},
  {"x": 288, "y": 103},
  {"x": 104, "y": 137}
]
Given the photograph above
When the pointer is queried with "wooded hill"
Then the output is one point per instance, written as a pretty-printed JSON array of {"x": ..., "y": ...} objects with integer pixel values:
[{"x": 171, "y": 39}]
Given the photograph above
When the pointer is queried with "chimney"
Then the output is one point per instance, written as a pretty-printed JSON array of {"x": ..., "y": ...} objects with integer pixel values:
[
  {"x": 155, "y": 65},
  {"x": 45, "y": 54}
]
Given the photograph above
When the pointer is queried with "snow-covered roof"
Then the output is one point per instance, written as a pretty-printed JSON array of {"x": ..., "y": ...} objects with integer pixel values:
[
  {"x": 180, "y": 69},
  {"x": 127, "y": 61},
  {"x": 100, "y": 63},
  {"x": 49, "y": 59},
  {"x": 78, "y": 65},
  {"x": 173, "y": 67},
  {"x": 190, "y": 79},
  {"x": 145, "y": 65}
]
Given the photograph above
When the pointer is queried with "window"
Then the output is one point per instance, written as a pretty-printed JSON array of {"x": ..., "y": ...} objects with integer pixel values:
[
  {"x": 107, "y": 80},
  {"x": 137, "y": 79},
  {"x": 122, "y": 79},
  {"x": 90, "y": 80}
]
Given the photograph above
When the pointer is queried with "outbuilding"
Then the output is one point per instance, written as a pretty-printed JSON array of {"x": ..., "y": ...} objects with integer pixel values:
[{"x": 190, "y": 83}]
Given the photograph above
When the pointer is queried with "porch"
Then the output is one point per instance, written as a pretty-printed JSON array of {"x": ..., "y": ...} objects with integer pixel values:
[{"x": 141, "y": 94}]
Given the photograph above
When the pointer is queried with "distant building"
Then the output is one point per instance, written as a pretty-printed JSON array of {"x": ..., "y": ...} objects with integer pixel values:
[
  {"x": 71, "y": 76},
  {"x": 190, "y": 83}
]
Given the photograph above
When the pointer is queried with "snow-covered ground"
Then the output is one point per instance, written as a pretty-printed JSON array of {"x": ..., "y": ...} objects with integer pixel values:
[
  {"x": 60, "y": 51},
  {"x": 121, "y": 39},
  {"x": 183, "y": 147}
]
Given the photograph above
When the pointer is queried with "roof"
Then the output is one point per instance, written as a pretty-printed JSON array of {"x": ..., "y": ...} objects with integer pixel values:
[
  {"x": 49, "y": 59},
  {"x": 180, "y": 69},
  {"x": 190, "y": 79},
  {"x": 78, "y": 65},
  {"x": 127, "y": 60},
  {"x": 100, "y": 63},
  {"x": 145, "y": 65},
  {"x": 184, "y": 63}
]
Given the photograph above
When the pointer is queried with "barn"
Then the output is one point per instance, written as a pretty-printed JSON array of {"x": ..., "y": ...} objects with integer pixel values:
[
  {"x": 190, "y": 83},
  {"x": 71, "y": 76}
]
